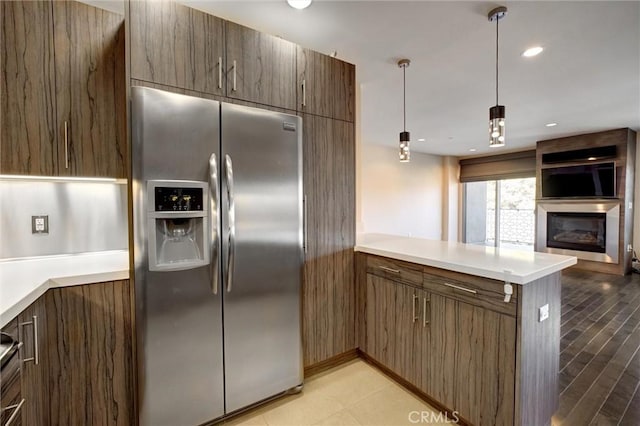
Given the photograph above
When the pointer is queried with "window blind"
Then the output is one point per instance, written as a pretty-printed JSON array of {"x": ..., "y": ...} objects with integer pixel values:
[{"x": 514, "y": 165}]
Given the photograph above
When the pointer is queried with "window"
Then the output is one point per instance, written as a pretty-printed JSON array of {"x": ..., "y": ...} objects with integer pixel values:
[{"x": 500, "y": 213}]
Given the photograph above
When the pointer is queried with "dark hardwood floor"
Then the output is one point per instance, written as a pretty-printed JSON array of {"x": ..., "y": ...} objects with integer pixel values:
[{"x": 599, "y": 350}]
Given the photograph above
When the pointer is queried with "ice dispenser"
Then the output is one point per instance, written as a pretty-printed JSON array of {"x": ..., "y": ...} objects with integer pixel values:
[{"x": 178, "y": 228}]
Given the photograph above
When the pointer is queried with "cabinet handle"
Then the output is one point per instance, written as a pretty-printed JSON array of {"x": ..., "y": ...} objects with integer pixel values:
[
  {"x": 413, "y": 303},
  {"x": 66, "y": 145},
  {"x": 234, "y": 75},
  {"x": 36, "y": 352},
  {"x": 457, "y": 287},
  {"x": 394, "y": 271},
  {"x": 304, "y": 93},
  {"x": 14, "y": 415},
  {"x": 219, "y": 72},
  {"x": 424, "y": 311}
]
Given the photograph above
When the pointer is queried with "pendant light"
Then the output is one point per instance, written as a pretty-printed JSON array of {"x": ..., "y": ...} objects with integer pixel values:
[
  {"x": 405, "y": 154},
  {"x": 497, "y": 112}
]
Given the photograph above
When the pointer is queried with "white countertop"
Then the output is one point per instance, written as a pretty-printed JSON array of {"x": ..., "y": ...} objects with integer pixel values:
[
  {"x": 23, "y": 281},
  {"x": 515, "y": 266}
]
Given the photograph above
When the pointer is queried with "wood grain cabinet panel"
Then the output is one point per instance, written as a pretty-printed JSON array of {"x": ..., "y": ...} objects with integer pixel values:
[
  {"x": 28, "y": 125},
  {"x": 90, "y": 354},
  {"x": 326, "y": 85},
  {"x": 177, "y": 46},
  {"x": 35, "y": 386},
  {"x": 260, "y": 67},
  {"x": 472, "y": 361},
  {"x": 328, "y": 287},
  {"x": 381, "y": 315},
  {"x": 90, "y": 90}
]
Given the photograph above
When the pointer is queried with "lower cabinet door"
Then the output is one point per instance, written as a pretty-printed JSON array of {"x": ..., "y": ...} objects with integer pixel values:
[
  {"x": 381, "y": 326},
  {"x": 410, "y": 333},
  {"x": 472, "y": 361},
  {"x": 35, "y": 390}
]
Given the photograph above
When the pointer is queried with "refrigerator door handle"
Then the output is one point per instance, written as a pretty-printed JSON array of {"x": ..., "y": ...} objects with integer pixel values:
[
  {"x": 214, "y": 208},
  {"x": 231, "y": 221}
]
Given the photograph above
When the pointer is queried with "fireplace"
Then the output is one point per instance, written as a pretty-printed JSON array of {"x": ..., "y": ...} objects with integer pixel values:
[
  {"x": 577, "y": 231},
  {"x": 586, "y": 230}
]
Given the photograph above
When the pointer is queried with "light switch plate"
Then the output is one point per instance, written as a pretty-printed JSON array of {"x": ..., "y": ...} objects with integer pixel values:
[
  {"x": 543, "y": 313},
  {"x": 40, "y": 224}
]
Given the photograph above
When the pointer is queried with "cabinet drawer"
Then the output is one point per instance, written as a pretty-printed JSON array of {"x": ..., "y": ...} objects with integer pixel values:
[
  {"x": 395, "y": 270},
  {"x": 470, "y": 289}
]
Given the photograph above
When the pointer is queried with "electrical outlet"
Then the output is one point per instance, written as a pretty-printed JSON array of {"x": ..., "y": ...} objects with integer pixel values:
[
  {"x": 40, "y": 224},
  {"x": 543, "y": 313}
]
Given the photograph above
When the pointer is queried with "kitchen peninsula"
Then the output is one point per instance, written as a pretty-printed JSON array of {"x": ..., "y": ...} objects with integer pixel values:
[{"x": 473, "y": 329}]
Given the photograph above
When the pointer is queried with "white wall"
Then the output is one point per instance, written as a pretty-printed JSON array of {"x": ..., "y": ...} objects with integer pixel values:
[{"x": 399, "y": 198}]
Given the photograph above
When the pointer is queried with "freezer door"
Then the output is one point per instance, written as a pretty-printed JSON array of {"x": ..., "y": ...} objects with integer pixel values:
[
  {"x": 262, "y": 253},
  {"x": 178, "y": 313}
]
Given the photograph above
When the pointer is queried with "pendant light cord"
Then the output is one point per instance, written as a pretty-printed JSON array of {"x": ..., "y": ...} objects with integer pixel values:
[
  {"x": 497, "y": 50},
  {"x": 404, "y": 97}
]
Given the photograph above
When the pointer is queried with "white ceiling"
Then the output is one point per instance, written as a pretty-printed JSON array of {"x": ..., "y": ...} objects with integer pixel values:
[{"x": 587, "y": 79}]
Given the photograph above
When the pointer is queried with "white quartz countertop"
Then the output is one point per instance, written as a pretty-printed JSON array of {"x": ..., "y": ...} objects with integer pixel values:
[
  {"x": 23, "y": 281},
  {"x": 515, "y": 266}
]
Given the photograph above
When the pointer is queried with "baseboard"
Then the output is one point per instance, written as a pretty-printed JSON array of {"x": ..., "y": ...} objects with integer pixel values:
[
  {"x": 329, "y": 363},
  {"x": 413, "y": 389}
]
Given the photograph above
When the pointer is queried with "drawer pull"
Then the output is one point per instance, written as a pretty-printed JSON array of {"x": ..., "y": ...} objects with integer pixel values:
[
  {"x": 14, "y": 415},
  {"x": 413, "y": 303},
  {"x": 457, "y": 287},
  {"x": 36, "y": 351},
  {"x": 394, "y": 271}
]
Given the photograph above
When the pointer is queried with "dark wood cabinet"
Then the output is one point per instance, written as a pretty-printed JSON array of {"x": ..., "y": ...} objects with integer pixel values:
[
  {"x": 260, "y": 67},
  {"x": 63, "y": 90},
  {"x": 177, "y": 46},
  {"x": 91, "y": 354},
  {"x": 380, "y": 320},
  {"x": 11, "y": 395},
  {"x": 472, "y": 361},
  {"x": 28, "y": 125},
  {"x": 398, "y": 327},
  {"x": 35, "y": 387},
  {"x": 326, "y": 85},
  {"x": 90, "y": 90},
  {"x": 328, "y": 288}
]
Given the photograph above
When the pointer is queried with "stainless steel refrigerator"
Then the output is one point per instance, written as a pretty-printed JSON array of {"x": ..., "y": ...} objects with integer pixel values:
[{"x": 218, "y": 234}]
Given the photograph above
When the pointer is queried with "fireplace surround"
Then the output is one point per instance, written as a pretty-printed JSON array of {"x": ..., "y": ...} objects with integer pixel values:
[{"x": 589, "y": 231}]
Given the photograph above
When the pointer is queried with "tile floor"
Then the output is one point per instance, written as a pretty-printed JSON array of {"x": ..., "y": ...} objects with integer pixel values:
[{"x": 352, "y": 394}]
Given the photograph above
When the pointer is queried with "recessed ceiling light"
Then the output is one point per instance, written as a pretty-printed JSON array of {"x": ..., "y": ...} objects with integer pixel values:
[
  {"x": 551, "y": 124},
  {"x": 421, "y": 140},
  {"x": 299, "y": 4},
  {"x": 472, "y": 150},
  {"x": 592, "y": 158},
  {"x": 532, "y": 51}
]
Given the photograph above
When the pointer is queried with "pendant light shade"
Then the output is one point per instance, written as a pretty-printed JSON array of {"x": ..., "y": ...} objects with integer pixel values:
[
  {"x": 497, "y": 112},
  {"x": 404, "y": 153}
]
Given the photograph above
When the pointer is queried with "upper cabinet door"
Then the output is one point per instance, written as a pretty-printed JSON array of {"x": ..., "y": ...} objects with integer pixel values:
[
  {"x": 260, "y": 67},
  {"x": 177, "y": 46},
  {"x": 28, "y": 137},
  {"x": 90, "y": 90},
  {"x": 326, "y": 86}
]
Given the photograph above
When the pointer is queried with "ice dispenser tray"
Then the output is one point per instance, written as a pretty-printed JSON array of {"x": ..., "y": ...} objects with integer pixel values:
[{"x": 178, "y": 227}]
